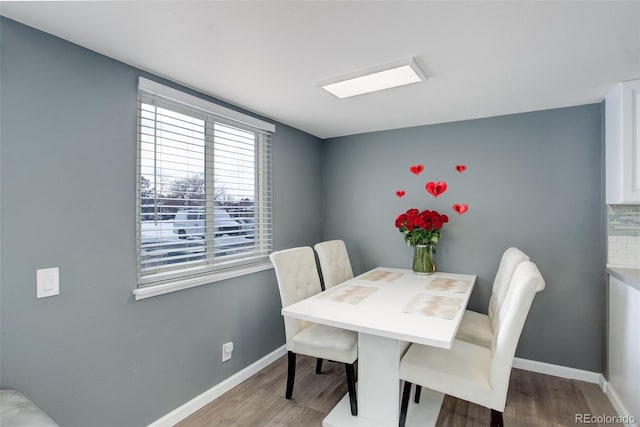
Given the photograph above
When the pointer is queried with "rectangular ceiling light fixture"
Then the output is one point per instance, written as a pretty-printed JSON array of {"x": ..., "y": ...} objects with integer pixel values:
[{"x": 397, "y": 74}]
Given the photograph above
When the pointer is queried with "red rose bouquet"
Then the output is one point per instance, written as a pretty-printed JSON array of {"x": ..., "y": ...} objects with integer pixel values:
[{"x": 421, "y": 228}]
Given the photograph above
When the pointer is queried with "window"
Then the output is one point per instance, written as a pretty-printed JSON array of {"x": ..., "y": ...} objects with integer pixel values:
[{"x": 203, "y": 191}]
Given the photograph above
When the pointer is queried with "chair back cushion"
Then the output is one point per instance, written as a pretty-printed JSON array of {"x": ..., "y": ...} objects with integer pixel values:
[
  {"x": 525, "y": 283},
  {"x": 298, "y": 279},
  {"x": 334, "y": 262},
  {"x": 511, "y": 258}
]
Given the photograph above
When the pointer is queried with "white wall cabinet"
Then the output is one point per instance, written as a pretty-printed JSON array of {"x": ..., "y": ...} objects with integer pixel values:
[
  {"x": 624, "y": 346},
  {"x": 622, "y": 143}
]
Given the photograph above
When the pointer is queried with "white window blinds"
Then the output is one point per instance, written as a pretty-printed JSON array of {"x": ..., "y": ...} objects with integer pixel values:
[{"x": 204, "y": 189}]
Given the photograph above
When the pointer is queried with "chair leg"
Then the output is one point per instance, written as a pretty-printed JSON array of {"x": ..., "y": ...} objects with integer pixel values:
[
  {"x": 351, "y": 386},
  {"x": 291, "y": 373},
  {"x": 417, "y": 396},
  {"x": 406, "y": 391},
  {"x": 496, "y": 418},
  {"x": 318, "y": 366}
]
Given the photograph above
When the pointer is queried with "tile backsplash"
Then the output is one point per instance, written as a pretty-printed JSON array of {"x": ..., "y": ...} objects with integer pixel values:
[{"x": 623, "y": 228}]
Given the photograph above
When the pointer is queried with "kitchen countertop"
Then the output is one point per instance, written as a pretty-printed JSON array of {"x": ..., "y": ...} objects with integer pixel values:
[{"x": 630, "y": 276}]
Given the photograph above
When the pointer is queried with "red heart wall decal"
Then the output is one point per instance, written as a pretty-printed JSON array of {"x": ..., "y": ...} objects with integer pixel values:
[
  {"x": 461, "y": 168},
  {"x": 416, "y": 169},
  {"x": 400, "y": 193},
  {"x": 436, "y": 188},
  {"x": 460, "y": 208}
]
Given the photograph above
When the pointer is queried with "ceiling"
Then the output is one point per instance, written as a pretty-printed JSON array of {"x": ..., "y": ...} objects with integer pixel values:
[{"x": 482, "y": 58}]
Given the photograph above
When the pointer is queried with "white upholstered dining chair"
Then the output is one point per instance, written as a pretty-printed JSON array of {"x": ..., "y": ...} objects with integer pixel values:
[
  {"x": 477, "y": 328},
  {"x": 473, "y": 372},
  {"x": 334, "y": 262},
  {"x": 298, "y": 279}
]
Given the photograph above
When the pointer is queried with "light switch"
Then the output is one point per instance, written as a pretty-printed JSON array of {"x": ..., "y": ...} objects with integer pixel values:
[{"x": 47, "y": 282}]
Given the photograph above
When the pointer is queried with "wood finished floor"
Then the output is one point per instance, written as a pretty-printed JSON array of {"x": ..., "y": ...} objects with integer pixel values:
[{"x": 533, "y": 400}]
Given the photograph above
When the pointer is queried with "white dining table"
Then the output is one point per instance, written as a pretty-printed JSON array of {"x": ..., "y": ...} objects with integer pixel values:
[{"x": 389, "y": 308}]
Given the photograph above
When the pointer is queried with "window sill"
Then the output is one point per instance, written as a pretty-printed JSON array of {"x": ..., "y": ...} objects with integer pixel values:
[{"x": 178, "y": 285}]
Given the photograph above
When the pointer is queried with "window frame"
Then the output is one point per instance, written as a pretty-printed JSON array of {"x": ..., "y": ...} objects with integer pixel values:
[{"x": 171, "y": 280}]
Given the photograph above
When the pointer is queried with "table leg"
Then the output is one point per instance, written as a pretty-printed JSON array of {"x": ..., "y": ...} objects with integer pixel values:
[
  {"x": 379, "y": 389},
  {"x": 378, "y": 381}
]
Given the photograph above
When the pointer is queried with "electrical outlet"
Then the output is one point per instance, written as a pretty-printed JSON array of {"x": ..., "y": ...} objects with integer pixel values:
[{"x": 227, "y": 349}]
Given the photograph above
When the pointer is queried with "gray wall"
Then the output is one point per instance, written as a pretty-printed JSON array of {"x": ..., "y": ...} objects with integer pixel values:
[
  {"x": 92, "y": 356},
  {"x": 533, "y": 181}
]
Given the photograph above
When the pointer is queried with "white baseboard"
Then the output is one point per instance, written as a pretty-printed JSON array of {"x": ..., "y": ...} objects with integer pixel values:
[
  {"x": 576, "y": 374},
  {"x": 560, "y": 371},
  {"x": 218, "y": 390},
  {"x": 620, "y": 408}
]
